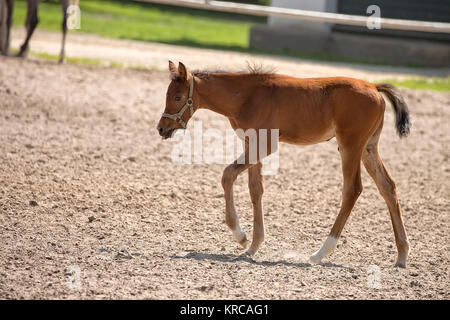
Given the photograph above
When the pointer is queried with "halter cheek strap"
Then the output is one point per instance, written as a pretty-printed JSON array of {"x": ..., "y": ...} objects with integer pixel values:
[{"x": 189, "y": 104}]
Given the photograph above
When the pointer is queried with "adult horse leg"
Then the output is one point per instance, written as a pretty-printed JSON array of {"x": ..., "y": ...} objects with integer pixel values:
[
  {"x": 3, "y": 28},
  {"x": 387, "y": 189},
  {"x": 65, "y": 6},
  {"x": 30, "y": 25},
  {"x": 7, "y": 15},
  {"x": 350, "y": 149}
]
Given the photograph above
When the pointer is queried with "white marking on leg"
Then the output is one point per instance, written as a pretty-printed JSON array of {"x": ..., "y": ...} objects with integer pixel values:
[
  {"x": 328, "y": 246},
  {"x": 238, "y": 234}
]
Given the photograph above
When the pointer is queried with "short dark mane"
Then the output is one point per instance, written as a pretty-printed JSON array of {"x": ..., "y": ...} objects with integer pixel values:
[
  {"x": 252, "y": 69},
  {"x": 260, "y": 69}
]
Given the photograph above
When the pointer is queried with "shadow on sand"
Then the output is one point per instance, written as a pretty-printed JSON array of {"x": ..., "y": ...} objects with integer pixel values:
[{"x": 205, "y": 256}]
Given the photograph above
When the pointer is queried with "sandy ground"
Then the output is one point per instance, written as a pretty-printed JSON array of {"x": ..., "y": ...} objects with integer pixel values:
[{"x": 87, "y": 185}]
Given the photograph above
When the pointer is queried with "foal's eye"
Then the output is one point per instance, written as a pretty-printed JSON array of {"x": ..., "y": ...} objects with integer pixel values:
[{"x": 177, "y": 98}]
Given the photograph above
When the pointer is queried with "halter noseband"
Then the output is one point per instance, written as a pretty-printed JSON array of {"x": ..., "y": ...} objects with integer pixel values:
[{"x": 189, "y": 103}]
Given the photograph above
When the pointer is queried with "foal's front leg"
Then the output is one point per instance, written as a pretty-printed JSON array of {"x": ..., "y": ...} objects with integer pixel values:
[
  {"x": 256, "y": 187},
  {"x": 252, "y": 162},
  {"x": 229, "y": 176}
]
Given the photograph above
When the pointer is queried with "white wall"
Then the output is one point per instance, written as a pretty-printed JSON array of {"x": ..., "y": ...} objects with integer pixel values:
[{"x": 313, "y": 5}]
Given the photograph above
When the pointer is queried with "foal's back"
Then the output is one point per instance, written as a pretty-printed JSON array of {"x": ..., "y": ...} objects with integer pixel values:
[{"x": 311, "y": 110}]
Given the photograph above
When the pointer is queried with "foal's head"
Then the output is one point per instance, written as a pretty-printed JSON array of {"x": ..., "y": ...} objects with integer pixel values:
[{"x": 179, "y": 104}]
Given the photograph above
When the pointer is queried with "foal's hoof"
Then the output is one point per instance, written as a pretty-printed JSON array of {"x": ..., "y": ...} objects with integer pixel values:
[
  {"x": 327, "y": 248},
  {"x": 315, "y": 258},
  {"x": 244, "y": 242},
  {"x": 402, "y": 257},
  {"x": 240, "y": 237},
  {"x": 400, "y": 264}
]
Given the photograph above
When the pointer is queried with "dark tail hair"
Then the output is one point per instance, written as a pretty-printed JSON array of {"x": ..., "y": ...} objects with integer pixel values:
[{"x": 402, "y": 122}]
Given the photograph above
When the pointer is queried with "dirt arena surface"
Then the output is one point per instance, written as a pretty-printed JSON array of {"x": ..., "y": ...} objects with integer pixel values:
[{"x": 86, "y": 182}]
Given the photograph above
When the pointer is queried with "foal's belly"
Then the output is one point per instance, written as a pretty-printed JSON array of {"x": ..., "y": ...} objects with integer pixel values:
[{"x": 307, "y": 136}]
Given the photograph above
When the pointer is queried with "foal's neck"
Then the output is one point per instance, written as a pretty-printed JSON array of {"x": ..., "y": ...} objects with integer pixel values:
[{"x": 221, "y": 93}]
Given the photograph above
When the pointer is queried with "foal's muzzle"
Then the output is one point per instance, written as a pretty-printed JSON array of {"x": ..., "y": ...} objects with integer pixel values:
[{"x": 165, "y": 133}]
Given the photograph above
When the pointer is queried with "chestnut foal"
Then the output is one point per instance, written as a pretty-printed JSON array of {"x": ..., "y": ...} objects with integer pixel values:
[{"x": 306, "y": 111}]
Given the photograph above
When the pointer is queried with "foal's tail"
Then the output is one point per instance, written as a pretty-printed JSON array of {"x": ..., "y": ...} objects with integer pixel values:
[{"x": 402, "y": 122}]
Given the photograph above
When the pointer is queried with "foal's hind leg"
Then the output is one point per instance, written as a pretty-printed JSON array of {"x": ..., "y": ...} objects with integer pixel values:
[
  {"x": 386, "y": 186},
  {"x": 351, "y": 168}
]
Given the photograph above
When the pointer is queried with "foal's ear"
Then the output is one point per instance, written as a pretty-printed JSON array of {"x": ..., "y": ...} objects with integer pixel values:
[
  {"x": 182, "y": 72},
  {"x": 173, "y": 70}
]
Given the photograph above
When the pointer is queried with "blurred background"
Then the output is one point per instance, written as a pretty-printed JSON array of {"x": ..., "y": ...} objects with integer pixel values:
[{"x": 249, "y": 34}]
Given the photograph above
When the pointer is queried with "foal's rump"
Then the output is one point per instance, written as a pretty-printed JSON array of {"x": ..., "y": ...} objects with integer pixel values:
[{"x": 363, "y": 100}]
